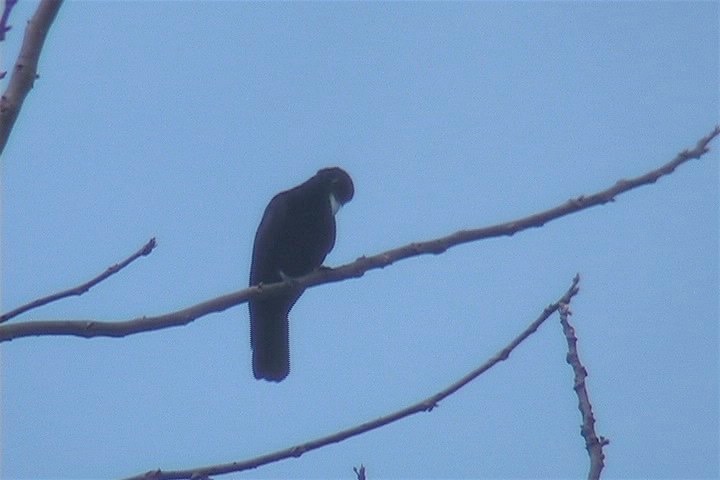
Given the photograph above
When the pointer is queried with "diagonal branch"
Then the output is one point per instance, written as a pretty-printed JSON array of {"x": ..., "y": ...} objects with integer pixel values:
[
  {"x": 4, "y": 27},
  {"x": 80, "y": 289},
  {"x": 593, "y": 443},
  {"x": 92, "y": 328},
  {"x": 423, "y": 406},
  {"x": 25, "y": 70}
]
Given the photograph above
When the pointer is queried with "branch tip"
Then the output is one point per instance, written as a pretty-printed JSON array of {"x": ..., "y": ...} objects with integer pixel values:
[
  {"x": 83, "y": 288},
  {"x": 149, "y": 247},
  {"x": 360, "y": 473}
]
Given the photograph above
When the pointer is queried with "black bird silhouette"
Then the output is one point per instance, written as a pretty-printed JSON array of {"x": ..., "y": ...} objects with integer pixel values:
[{"x": 295, "y": 235}]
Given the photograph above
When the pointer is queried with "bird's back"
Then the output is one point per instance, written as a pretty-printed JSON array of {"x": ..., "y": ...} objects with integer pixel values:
[{"x": 294, "y": 237}]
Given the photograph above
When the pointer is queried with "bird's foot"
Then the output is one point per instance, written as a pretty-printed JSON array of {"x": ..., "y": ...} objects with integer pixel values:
[{"x": 291, "y": 281}]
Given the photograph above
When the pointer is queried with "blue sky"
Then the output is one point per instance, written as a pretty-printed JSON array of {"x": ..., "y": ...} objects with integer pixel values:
[{"x": 182, "y": 120}]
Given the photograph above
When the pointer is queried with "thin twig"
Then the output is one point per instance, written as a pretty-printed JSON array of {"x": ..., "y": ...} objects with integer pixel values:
[
  {"x": 92, "y": 328},
  {"x": 4, "y": 27},
  {"x": 80, "y": 289},
  {"x": 360, "y": 472},
  {"x": 25, "y": 70},
  {"x": 593, "y": 443},
  {"x": 426, "y": 405}
]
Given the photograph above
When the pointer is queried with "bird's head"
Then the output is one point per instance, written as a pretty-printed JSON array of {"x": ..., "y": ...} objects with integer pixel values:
[{"x": 339, "y": 184}]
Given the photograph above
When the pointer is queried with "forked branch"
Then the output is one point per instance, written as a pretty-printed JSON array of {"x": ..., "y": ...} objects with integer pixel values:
[
  {"x": 422, "y": 406},
  {"x": 92, "y": 328}
]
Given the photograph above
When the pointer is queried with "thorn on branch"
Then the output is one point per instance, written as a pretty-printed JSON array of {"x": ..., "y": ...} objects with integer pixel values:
[
  {"x": 153, "y": 474},
  {"x": 512, "y": 229},
  {"x": 437, "y": 248},
  {"x": 298, "y": 451},
  {"x": 505, "y": 353},
  {"x": 200, "y": 476},
  {"x": 622, "y": 183}
]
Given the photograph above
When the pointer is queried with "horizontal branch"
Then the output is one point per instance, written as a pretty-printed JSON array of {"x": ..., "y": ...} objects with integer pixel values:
[
  {"x": 423, "y": 406},
  {"x": 25, "y": 69},
  {"x": 80, "y": 289},
  {"x": 92, "y": 328}
]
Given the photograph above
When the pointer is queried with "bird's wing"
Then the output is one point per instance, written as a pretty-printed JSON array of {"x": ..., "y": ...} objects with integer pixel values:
[
  {"x": 263, "y": 268},
  {"x": 268, "y": 317}
]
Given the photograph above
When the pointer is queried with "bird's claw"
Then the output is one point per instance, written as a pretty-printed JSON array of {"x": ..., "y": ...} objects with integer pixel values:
[{"x": 291, "y": 281}]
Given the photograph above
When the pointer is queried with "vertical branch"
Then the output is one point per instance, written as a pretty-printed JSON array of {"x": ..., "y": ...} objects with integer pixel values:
[
  {"x": 25, "y": 69},
  {"x": 593, "y": 443}
]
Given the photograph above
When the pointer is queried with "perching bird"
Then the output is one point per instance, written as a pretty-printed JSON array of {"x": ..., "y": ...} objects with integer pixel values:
[{"x": 295, "y": 235}]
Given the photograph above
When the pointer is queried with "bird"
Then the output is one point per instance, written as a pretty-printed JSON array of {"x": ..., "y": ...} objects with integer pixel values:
[{"x": 296, "y": 233}]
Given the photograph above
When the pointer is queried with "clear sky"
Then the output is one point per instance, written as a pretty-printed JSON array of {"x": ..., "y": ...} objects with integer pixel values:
[{"x": 182, "y": 120}]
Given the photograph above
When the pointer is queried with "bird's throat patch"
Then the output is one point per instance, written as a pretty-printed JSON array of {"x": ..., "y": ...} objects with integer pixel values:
[{"x": 334, "y": 204}]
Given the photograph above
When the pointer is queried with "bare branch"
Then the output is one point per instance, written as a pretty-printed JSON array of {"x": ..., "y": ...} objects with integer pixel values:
[
  {"x": 80, "y": 289},
  {"x": 4, "y": 27},
  {"x": 360, "y": 472},
  {"x": 92, "y": 328},
  {"x": 593, "y": 443},
  {"x": 25, "y": 70},
  {"x": 423, "y": 406}
]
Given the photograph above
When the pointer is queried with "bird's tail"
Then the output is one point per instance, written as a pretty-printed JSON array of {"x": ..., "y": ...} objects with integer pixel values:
[{"x": 269, "y": 340}]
